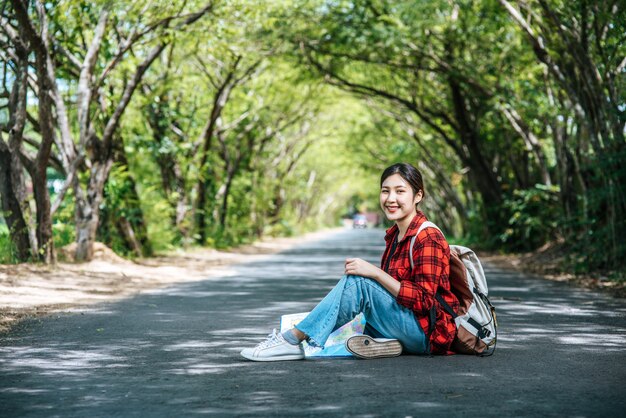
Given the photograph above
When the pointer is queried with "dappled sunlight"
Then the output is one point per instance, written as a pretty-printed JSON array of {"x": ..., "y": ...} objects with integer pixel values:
[
  {"x": 59, "y": 362},
  {"x": 595, "y": 341},
  {"x": 188, "y": 135},
  {"x": 326, "y": 408},
  {"x": 237, "y": 332},
  {"x": 427, "y": 404},
  {"x": 553, "y": 309},
  {"x": 184, "y": 342},
  {"x": 182, "y": 292},
  {"x": 195, "y": 369},
  {"x": 469, "y": 374},
  {"x": 23, "y": 391},
  {"x": 193, "y": 345},
  {"x": 495, "y": 289}
]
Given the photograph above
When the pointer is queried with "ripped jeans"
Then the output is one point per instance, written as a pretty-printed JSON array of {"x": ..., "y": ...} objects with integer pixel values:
[{"x": 385, "y": 317}]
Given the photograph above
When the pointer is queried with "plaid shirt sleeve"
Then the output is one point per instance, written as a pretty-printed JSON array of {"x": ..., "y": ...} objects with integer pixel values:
[{"x": 418, "y": 293}]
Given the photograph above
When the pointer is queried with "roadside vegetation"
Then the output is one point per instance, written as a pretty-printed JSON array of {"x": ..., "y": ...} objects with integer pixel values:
[{"x": 152, "y": 126}]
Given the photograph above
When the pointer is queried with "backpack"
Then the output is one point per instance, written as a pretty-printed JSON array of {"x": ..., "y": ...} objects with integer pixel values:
[{"x": 476, "y": 321}]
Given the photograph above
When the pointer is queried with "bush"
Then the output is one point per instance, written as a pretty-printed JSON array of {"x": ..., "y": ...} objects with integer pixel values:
[
  {"x": 7, "y": 249},
  {"x": 533, "y": 218}
]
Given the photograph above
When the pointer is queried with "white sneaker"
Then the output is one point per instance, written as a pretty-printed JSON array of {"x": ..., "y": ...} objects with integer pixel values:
[{"x": 274, "y": 348}]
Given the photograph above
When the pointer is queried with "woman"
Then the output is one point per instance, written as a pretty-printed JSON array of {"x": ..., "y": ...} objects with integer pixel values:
[{"x": 399, "y": 305}]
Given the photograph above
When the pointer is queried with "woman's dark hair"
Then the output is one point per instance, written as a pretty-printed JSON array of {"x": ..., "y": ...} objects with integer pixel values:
[{"x": 409, "y": 173}]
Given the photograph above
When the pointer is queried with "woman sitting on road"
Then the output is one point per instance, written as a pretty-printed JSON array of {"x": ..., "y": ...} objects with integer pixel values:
[{"x": 395, "y": 301}]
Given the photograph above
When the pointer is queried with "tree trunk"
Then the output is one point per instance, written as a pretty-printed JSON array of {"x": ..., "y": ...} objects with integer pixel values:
[
  {"x": 220, "y": 99},
  {"x": 133, "y": 224},
  {"x": 224, "y": 212},
  {"x": 44, "y": 220},
  {"x": 182, "y": 208},
  {"x": 206, "y": 174},
  {"x": 278, "y": 202},
  {"x": 11, "y": 207},
  {"x": 530, "y": 140},
  {"x": 172, "y": 176},
  {"x": 561, "y": 42},
  {"x": 12, "y": 188},
  {"x": 88, "y": 203},
  {"x": 480, "y": 169},
  {"x": 39, "y": 176},
  {"x": 37, "y": 169},
  {"x": 88, "y": 208},
  {"x": 200, "y": 212},
  {"x": 127, "y": 231}
]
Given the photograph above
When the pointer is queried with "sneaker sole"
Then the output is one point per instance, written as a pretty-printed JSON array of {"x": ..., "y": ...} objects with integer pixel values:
[
  {"x": 366, "y": 347},
  {"x": 281, "y": 358}
]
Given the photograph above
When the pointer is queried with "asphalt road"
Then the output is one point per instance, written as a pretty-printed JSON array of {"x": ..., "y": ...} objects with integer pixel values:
[{"x": 175, "y": 352}]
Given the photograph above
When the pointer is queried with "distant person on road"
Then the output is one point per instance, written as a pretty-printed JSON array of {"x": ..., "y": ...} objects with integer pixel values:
[{"x": 395, "y": 301}]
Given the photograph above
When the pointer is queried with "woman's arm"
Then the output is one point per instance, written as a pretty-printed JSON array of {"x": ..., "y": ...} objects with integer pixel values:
[
  {"x": 418, "y": 292},
  {"x": 361, "y": 267}
]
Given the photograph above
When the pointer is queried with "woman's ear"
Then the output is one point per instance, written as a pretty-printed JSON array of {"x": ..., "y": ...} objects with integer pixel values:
[{"x": 418, "y": 197}]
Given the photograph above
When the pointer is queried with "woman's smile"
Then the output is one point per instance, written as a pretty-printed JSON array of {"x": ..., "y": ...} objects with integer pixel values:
[{"x": 397, "y": 199}]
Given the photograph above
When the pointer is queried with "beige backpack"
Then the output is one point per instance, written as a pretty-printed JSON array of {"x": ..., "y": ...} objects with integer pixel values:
[{"x": 475, "y": 320}]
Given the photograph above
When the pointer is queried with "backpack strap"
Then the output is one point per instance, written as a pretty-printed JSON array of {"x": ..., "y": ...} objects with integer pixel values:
[
  {"x": 423, "y": 226},
  {"x": 433, "y": 311},
  {"x": 445, "y": 305}
]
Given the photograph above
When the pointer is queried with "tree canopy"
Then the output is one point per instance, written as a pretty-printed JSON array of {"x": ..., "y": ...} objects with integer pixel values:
[{"x": 153, "y": 125}]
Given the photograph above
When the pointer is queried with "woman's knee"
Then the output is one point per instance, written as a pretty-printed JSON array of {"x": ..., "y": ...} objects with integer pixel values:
[
  {"x": 354, "y": 277},
  {"x": 366, "y": 289},
  {"x": 363, "y": 282}
]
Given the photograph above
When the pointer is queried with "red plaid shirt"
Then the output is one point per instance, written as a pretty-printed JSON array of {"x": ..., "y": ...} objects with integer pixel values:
[{"x": 431, "y": 257}]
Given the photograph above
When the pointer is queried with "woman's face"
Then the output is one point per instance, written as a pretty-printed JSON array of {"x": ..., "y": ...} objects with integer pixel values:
[{"x": 397, "y": 199}]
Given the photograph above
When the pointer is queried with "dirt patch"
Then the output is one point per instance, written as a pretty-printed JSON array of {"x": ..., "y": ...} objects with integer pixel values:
[
  {"x": 29, "y": 289},
  {"x": 549, "y": 262}
]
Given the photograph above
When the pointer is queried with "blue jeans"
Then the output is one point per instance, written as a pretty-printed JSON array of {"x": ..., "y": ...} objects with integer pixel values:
[{"x": 385, "y": 317}]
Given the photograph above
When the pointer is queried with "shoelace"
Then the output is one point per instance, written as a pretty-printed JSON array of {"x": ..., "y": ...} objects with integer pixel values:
[{"x": 272, "y": 339}]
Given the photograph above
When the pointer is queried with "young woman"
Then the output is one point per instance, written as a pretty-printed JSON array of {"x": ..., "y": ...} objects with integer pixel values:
[{"x": 399, "y": 304}]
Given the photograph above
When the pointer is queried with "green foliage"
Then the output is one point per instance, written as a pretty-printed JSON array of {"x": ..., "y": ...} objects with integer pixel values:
[
  {"x": 7, "y": 249},
  {"x": 64, "y": 232},
  {"x": 596, "y": 240},
  {"x": 63, "y": 229},
  {"x": 158, "y": 213},
  {"x": 452, "y": 87},
  {"x": 534, "y": 218}
]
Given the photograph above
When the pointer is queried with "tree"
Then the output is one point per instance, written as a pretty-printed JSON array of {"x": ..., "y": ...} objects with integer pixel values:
[
  {"x": 28, "y": 38},
  {"x": 101, "y": 99},
  {"x": 581, "y": 46},
  {"x": 449, "y": 93},
  {"x": 12, "y": 187}
]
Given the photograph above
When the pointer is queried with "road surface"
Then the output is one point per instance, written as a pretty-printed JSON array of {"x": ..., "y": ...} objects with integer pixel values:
[{"x": 175, "y": 352}]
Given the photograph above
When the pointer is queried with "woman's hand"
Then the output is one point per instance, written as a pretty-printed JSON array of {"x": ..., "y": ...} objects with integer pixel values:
[{"x": 359, "y": 267}]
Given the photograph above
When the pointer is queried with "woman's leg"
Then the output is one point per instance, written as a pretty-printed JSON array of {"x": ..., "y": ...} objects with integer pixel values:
[{"x": 353, "y": 295}]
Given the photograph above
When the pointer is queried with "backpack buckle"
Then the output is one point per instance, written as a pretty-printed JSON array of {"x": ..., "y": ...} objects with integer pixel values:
[{"x": 483, "y": 332}]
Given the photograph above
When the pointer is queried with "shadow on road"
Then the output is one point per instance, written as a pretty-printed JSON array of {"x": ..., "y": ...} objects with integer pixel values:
[{"x": 175, "y": 351}]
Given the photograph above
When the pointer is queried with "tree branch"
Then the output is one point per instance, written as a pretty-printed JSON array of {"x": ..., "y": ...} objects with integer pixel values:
[
  {"x": 86, "y": 73},
  {"x": 112, "y": 123}
]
